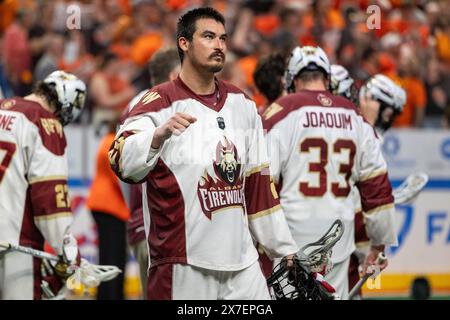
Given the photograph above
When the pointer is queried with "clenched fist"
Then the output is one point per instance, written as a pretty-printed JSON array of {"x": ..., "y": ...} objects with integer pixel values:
[{"x": 176, "y": 125}]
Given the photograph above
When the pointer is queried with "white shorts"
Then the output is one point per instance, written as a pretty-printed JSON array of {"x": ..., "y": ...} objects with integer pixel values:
[
  {"x": 17, "y": 277},
  {"x": 186, "y": 282},
  {"x": 338, "y": 278}
]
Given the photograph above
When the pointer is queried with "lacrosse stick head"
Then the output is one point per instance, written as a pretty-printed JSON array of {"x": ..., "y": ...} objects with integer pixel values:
[
  {"x": 316, "y": 256},
  {"x": 410, "y": 188},
  {"x": 296, "y": 283},
  {"x": 91, "y": 275}
]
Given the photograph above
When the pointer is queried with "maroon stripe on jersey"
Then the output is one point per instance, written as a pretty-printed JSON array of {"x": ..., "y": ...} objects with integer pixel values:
[
  {"x": 167, "y": 238},
  {"x": 135, "y": 225},
  {"x": 360, "y": 228},
  {"x": 159, "y": 283},
  {"x": 164, "y": 95},
  {"x": 37, "y": 291},
  {"x": 266, "y": 264},
  {"x": 259, "y": 195},
  {"x": 49, "y": 197},
  {"x": 304, "y": 98},
  {"x": 30, "y": 236},
  {"x": 375, "y": 192},
  {"x": 50, "y": 129}
]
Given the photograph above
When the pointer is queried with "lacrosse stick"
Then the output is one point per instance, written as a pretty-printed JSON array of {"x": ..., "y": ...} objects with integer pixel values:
[
  {"x": 380, "y": 259},
  {"x": 87, "y": 274},
  {"x": 316, "y": 256},
  {"x": 410, "y": 188},
  {"x": 299, "y": 282}
]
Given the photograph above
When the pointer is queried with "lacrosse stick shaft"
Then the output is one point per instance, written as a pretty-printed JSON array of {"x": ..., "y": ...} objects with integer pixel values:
[
  {"x": 30, "y": 251},
  {"x": 380, "y": 259}
]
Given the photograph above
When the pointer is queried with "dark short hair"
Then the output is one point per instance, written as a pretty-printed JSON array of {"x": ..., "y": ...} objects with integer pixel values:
[
  {"x": 186, "y": 23},
  {"x": 161, "y": 65},
  {"x": 48, "y": 93},
  {"x": 312, "y": 75},
  {"x": 268, "y": 76}
]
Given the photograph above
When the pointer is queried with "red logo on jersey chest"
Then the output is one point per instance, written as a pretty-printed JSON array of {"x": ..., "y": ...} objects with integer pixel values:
[{"x": 225, "y": 189}]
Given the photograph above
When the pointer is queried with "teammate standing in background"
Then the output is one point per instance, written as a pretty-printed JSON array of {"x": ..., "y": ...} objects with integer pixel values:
[
  {"x": 320, "y": 148},
  {"x": 269, "y": 78},
  {"x": 163, "y": 66},
  {"x": 111, "y": 213},
  {"x": 34, "y": 200},
  {"x": 381, "y": 101},
  {"x": 196, "y": 142}
]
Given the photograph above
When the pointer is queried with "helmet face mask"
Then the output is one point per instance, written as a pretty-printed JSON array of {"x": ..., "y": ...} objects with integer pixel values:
[
  {"x": 305, "y": 58},
  {"x": 71, "y": 93},
  {"x": 389, "y": 95},
  {"x": 386, "y": 117}
]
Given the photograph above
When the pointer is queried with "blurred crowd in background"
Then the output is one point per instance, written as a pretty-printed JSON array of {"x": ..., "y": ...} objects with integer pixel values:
[{"x": 116, "y": 39}]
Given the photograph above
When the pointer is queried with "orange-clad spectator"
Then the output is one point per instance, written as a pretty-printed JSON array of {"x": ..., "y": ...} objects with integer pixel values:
[
  {"x": 443, "y": 43},
  {"x": 287, "y": 35},
  {"x": 416, "y": 98},
  {"x": 145, "y": 46},
  {"x": 266, "y": 24},
  {"x": 76, "y": 59},
  {"x": 175, "y": 5},
  {"x": 110, "y": 90},
  {"x": 17, "y": 54},
  {"x": 125, "y": 5},
  {"x": 8, "y": 10},
  {"x": 387, "y": 64},
  {"x": 248, "y": 65},
  {"x": 111, "y": 213}
]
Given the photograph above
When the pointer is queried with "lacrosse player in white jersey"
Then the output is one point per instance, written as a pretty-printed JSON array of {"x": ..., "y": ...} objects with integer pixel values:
[
  {"x": 34, "y": 200},
  {"x": 381, "y": 100},
  {"x": 320, "y": 148},
  {"x": 197, "y": 145}
]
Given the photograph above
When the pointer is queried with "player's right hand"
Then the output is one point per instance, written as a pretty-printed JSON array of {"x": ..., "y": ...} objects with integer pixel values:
[
  {"x": 372, "y": 258},
  {"x": 177, "y": 124}
]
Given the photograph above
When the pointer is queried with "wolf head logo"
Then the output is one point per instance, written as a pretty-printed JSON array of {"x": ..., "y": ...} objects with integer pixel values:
[{"x": 227, "y": 163}]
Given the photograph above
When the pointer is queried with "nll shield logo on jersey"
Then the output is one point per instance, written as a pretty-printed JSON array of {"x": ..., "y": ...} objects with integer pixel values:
[{"x": 225, "y": 189}]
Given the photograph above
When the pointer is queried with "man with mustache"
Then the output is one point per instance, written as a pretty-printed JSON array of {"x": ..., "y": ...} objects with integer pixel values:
[{"x": 198, "y": 237}]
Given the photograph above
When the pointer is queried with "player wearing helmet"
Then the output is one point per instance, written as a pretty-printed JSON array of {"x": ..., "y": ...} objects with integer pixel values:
[
  {"x": 320, "y": 148},
  {"x": 34, "y": 200},
  {"x": 381, "y": 100},
  {"x": 341, "y": 84}
]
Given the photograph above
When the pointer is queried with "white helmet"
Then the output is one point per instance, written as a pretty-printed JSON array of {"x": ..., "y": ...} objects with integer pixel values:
[
  {"x": 341, "y": 84},
  {"x": 306, "y": 58},
  {"x": 71, "y": 93},
  {"x": 384, "y": 90}
]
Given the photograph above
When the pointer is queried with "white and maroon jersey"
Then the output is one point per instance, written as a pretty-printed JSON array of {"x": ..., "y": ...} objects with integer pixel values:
[
  {"x": 207, "y": 191},
  {"x": 34, "y": 201},
  {"x": 320, "y": 148}
]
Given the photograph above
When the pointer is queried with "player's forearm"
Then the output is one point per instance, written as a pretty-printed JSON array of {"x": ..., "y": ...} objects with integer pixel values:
[
  {"x": 380, "y": 227},
  {"x": 131, "y": 156},
  {"x": 273, "y": 234},
  {"x": 54, "y": 229}
]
